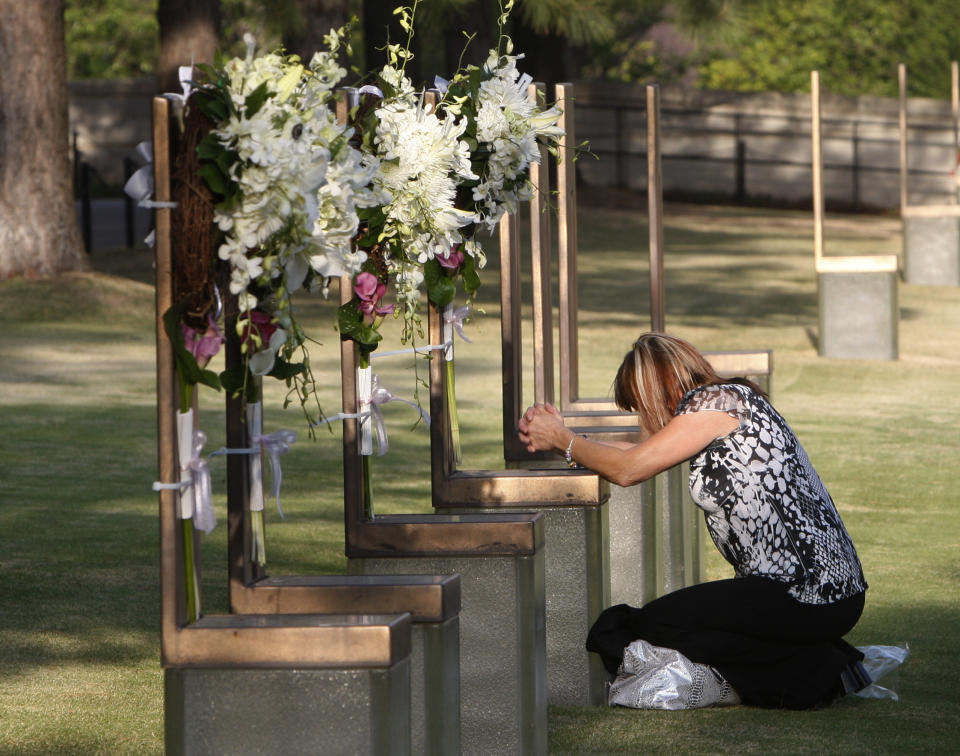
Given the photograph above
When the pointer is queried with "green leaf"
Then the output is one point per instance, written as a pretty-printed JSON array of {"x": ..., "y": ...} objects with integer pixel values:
[
  {"x": 232, "y": 379},
  {"x": 213, "y": 178},
  {"x": 207, "y": 70},
  {"x": 211, "y": 103},
  {"x": 209, "y": 147},
  {"x": 189, "y": 372},
  {"x": 441, "y": 289},
  {"x": 283, "y": 370},
  {"x": 256, "y": 99},
  {"x": 469, "y": 276},
  {"x": 225, "y": 160},
  {"x": 352, "y": 326},
  {"x": 209, "y": 378}
]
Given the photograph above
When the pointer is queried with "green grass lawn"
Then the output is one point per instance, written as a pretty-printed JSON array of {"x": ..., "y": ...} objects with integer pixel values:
[{"x": 79, "y": 598}]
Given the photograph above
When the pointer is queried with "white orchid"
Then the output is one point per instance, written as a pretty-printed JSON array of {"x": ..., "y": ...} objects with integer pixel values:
[{"x": 508, "y": 124}]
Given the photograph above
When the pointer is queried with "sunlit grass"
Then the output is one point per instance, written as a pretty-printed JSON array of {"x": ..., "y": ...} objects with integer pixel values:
[{"x": 79, "y": 602}]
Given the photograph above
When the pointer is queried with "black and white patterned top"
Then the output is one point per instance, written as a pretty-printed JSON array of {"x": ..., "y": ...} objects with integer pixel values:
[{"x": 766, "y": 508}]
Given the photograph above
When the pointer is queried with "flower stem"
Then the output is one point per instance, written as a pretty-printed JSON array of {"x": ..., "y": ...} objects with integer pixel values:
[
  {"x": 190, "y": 581},
  {"x": 367, "y": 492},
  {"x": 451, "y": 396},
  {"x": 258, "y": 547}
]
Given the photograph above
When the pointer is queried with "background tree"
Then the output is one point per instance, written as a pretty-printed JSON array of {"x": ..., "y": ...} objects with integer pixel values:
[
  {"x": 189, "y": 33},
  {"x": 856, "y": 45},
  {"x": 111, "y": 39},
  {"x": 547, "y": 32},
  {"x": 311, "y": 20},
  {"x": 38, "y": 223}
]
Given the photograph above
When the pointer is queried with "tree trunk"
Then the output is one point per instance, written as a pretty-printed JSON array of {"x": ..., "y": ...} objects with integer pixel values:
[
  {"x": 189, "y": 33},
  {"x": 38, "y": 223},
  {"x": 320, "y": 16}
]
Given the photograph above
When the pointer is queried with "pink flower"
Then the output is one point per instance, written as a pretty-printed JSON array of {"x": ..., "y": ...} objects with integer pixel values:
[
  {"x": 370, "y": 291},
  {"x": 453, "y": 260},
  {"x": 203, "y": 346},
  {"x": 258, "y": 328}
]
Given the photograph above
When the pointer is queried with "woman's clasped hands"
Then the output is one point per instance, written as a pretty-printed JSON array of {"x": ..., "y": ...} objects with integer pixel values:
[{"x": 541, "y": 428}]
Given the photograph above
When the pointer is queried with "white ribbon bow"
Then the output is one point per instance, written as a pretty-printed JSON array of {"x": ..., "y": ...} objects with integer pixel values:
[
  {"x": 370, "y": 89},
  {"x": 274, "y": 444},
  {"x": 371, "y": 408},
  {"x": 204, "y": 518},
  {"x": 140, "y": 185},
  {"x": 455, "y": 318}
]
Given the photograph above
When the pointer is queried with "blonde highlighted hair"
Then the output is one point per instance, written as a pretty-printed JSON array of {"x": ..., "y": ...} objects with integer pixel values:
[{"x": 656, "y": 373}]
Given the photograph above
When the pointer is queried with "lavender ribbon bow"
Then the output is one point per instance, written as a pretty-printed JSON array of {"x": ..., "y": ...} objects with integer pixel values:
[
  {"x": 380, "y": 395},
  {"x": 274, "y": 444}
]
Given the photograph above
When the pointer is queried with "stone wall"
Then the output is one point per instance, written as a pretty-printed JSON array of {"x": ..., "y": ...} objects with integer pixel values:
[
  {"x": 700, "y": 134},
  {"x": 702, "y": 131},
  {"x": 109, "y": 118}
]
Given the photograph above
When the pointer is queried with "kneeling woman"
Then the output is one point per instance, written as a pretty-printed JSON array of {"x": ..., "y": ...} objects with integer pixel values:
[{"x": 775, "y": 630}]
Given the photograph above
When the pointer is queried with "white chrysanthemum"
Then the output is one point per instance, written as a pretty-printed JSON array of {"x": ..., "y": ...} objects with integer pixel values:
[{"x": 422, "y": 159}]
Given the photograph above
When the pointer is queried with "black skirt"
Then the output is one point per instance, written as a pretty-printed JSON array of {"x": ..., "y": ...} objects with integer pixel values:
[{"x": 775, "y": 651}]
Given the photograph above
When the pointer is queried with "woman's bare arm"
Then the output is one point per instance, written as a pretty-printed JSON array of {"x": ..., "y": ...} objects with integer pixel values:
[{"x": 622, "y": 463}]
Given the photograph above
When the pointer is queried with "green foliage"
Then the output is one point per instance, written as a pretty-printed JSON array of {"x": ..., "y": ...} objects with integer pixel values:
[
  {"x": 115, "y": 39},
  {"x": 855, "y": 44},
  {"x": 581, "y": 21},
  {"x": 630, "y": 56},
  {"x": 109, "y": 39},
  {"x": 267, "y": 20}
]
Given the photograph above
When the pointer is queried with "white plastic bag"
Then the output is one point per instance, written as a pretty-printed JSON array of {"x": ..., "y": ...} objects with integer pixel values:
[
  {"x": 882, "y": 663},
  {"x": 652, "y": 677}
]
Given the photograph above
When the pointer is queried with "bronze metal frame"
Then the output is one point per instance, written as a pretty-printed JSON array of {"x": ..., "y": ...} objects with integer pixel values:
[
  {"x": 494, "y": 488},
  {"x": 540, "y": 262},
  {"x": 417, "y": 535},
  {"x": 655, "y": 209}
]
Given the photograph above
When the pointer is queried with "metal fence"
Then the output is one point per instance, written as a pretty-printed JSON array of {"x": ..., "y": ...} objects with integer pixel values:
[{"x": 763, "y": 155}]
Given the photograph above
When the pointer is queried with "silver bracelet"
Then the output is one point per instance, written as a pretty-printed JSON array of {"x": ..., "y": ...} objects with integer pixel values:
[{"x": 568, "y": 454}]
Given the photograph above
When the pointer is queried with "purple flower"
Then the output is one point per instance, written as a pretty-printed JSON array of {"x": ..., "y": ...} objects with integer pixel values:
[
  {"x": 203, "y": 346},
  {"x": 370, "y": 291},
  {"x": 453, "y": 260},
  {"x": 258, "y": 327}
]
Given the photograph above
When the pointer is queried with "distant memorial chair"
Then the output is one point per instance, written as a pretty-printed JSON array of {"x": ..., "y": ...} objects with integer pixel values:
[
  {"x": 859, "y": 311},
  {"x": 931, "y": 233}
]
